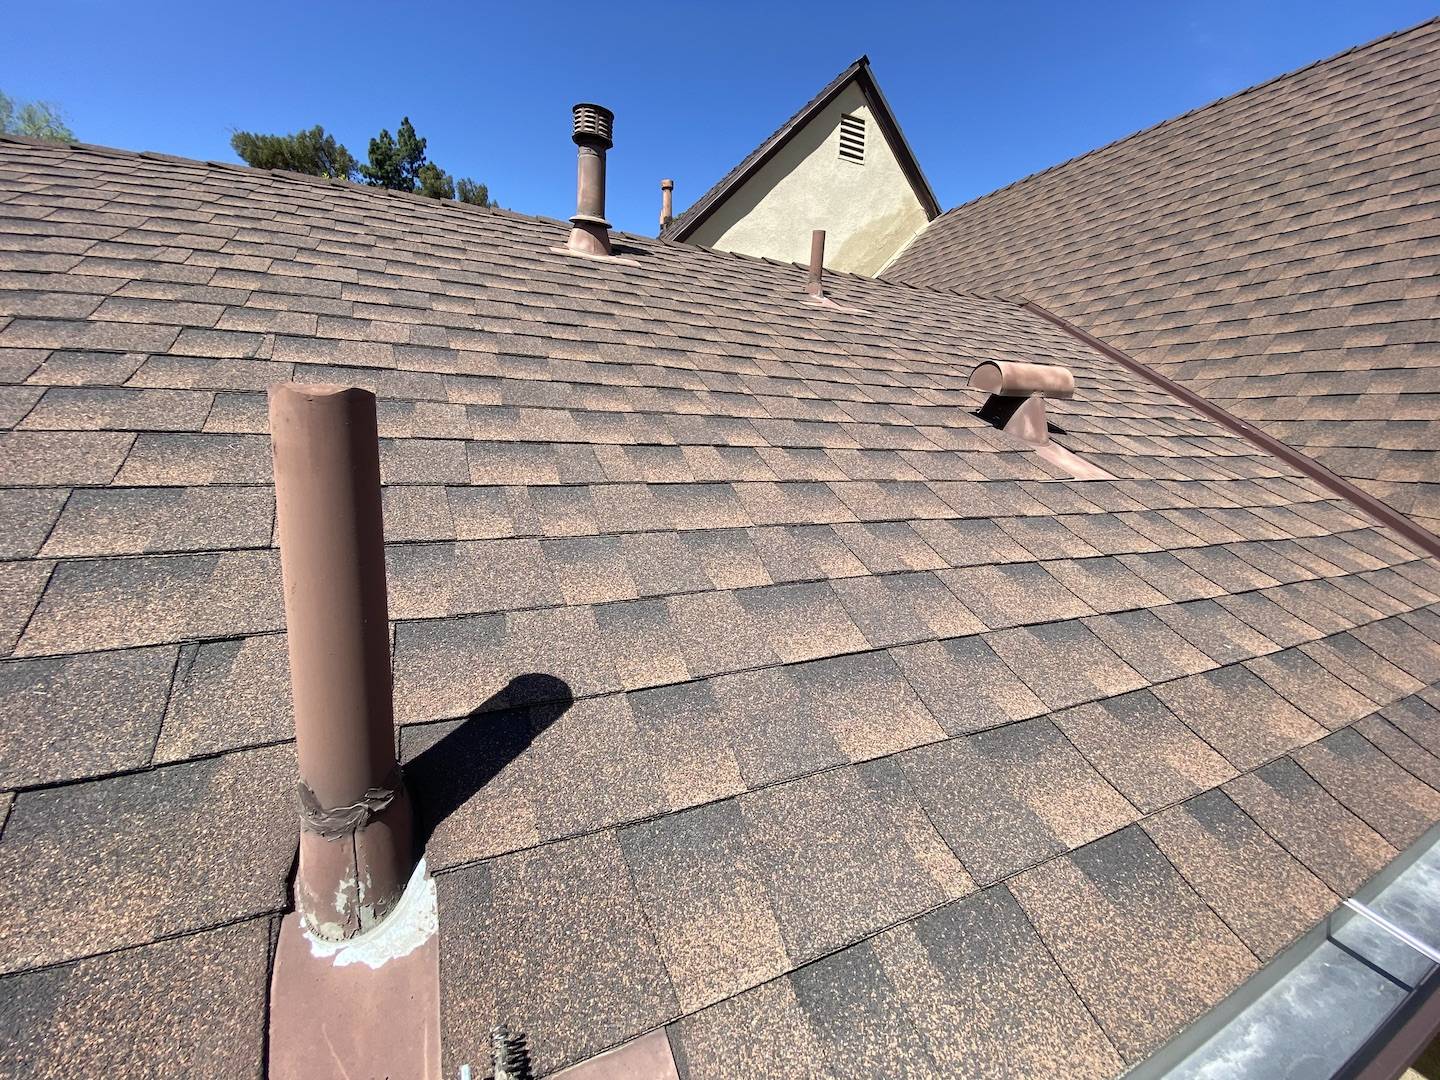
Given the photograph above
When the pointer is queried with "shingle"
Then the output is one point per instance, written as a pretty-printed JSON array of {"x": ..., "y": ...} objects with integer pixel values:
[
  {"x": 858, "y": 1018},
  {"x": 196, "y": 460},
  {"x": 1260, "y": 890},
  {"x": 1014, "y": 594},
  {"x": 1143, "y": 749},
  {"x": 21, "y": 585},
  {"x": 190, "y": 1006},
  {"x": 1410, "y": 650},
  {"x": 965, "y": 972},
  {"x": 1366, "y": 670},
  {"x": 776, "y": 729},
  {"x": 1149, "y": 645},
  {"x": 689, "y": 733},
  {"x": 1287, "y": 803},
  {"x": 447, "y": 668},
  {"x": 428, "y": 461},
  {"x": 82, "y": 716},
  {"x": 553, "y": 942},
  {"x": 868, "y": 707},
  {"x": 1269, "y": 619},
  {"x": 709, "y": 907},
  {"x": 1046, "y": 538},
  {"x": 417, "y": 513},
  {"x": 83, "y": 408},
  {"x": 898, "y": 608},
  {"x": 468, "y": 577},
  {"x": 1237, "y": 714},
  {"x": 26, "y": 516},
  {"x": 1391, "y": 801},
  {"x": 835, "y": 863},
  {"x": 801, "y": 622},
  {"x": 61, "y": 458},
  {"x": 1418, "y": 718},
  {"x": 1105, "y": 584},
  {"x": 1064, "y": 663},
  {"x": 965, "y": 685},
  {"x": 227, "y": 694},
  {"x": 1215, "y": 632},
  {"x": 589, "y": 570},
  {"x": 728, "y": 556},
  {"x": 885, "y": 547},
  {"x": 1145, "y": 953},
  {"x": 970, "y": 542},
  {"x": 1400, "y": 748},
  {"x": 134, "y": 521},
  {"x": 804, "y": 553},
  {"x": 1007, "y": 799},
  {"x": 483, "y": 513},
  {"x": 588, "y": 768},
  {"x": 115, "y": 603},
  {"x": 762, "y": 1032},
  {"x": 87, "y": 868},
  {"x": 1310, "y": 688},
  {"x": 1170, "y": 576},
  {"x": 716, "y": 634}
]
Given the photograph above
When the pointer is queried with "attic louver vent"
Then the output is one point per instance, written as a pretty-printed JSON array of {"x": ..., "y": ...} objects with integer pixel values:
[{"x": 852, "y": 138}]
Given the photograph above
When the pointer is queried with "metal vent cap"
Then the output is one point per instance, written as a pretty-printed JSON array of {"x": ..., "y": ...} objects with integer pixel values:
[{"x": 593, "y": 123}]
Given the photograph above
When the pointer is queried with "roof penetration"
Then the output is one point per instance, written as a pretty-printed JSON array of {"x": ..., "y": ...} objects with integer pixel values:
[{"x": 751, "y": 687}]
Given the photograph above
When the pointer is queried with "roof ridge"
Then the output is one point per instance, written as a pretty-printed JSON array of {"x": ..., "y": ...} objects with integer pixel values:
[
  {"x": 1433, "y": 20},
  {"x": 425, "y": 200},
  {"x": 330, "y": 181}
]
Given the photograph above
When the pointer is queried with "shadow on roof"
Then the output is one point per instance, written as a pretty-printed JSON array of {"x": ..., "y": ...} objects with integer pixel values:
[{"x": 447, "y": 772}]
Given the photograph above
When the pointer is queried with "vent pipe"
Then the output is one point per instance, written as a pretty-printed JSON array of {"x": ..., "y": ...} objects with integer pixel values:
[
  {"x": 355, "y": 855},
  {"x": 667, "y": 208},
  {"x": 817, "y": 264},
  {"x": 593, "y": 134}
]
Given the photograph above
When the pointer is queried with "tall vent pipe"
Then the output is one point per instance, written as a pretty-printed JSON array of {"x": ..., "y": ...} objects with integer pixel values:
[
  {"x": 667, "y": 203},
  {"x": 593, "y": 134}
]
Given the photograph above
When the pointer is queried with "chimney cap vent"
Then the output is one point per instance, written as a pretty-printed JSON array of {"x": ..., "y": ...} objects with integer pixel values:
[{"x": 593, "y": 124}]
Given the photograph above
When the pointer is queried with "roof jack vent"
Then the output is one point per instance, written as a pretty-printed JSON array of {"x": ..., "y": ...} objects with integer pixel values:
[
  {"x": 667, "y": 205},
  {"x": 1017, "y": 407},
  {"x": 815, "y": 285},
  {"x": 593, "y": 134}
]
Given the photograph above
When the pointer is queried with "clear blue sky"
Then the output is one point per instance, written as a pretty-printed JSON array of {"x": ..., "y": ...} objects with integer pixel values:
[{"x": 986, "y": 92}]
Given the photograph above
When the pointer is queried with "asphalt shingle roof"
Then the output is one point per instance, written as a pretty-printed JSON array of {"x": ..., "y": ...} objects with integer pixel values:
[
  {"x": 1277, "y": 251},
  {"x": 749, "y": 684}
]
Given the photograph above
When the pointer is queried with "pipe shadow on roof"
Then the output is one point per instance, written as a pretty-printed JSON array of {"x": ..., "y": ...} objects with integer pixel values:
[{"x": 444, "y": 775}]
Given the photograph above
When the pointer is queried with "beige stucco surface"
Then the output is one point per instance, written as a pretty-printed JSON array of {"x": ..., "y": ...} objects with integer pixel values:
[{"x": 868, "y": 211}]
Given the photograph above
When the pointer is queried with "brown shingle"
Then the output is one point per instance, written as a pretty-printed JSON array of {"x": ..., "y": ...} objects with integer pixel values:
[
  {"x": 82, "y": 716},
  {"x": 1233, "y": 864},
  {"x": 1145, "y": 953},
  {"x": 88, "y": 869},
  {"x": 194, "y": 1005}
]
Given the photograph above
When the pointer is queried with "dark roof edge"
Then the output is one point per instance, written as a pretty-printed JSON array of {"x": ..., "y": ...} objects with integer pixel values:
[
  {"x": 1419, "y": 537},
  {"x": 859, "y": 72},
  {"x": 1191, "y": 112}
]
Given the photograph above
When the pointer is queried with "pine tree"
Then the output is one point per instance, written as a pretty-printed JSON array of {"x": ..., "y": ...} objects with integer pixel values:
[{"x": 313, "y": 152}]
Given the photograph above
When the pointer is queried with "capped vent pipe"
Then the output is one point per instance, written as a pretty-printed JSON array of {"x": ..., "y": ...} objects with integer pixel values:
[
  {"x": 667, "y": 207},
  {"x": 593, "y": 132}
]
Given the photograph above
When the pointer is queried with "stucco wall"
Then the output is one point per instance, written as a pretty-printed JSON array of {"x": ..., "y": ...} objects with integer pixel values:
[{"x": 868, "y": 211}]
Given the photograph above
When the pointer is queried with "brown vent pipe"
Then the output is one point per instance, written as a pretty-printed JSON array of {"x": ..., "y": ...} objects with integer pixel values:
[
  {"x": 355, "y": 836},
  {"x": 667, "y": 206},
  {"x": 593, "y": 132},
  {"x": 817, "y": 264}
]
